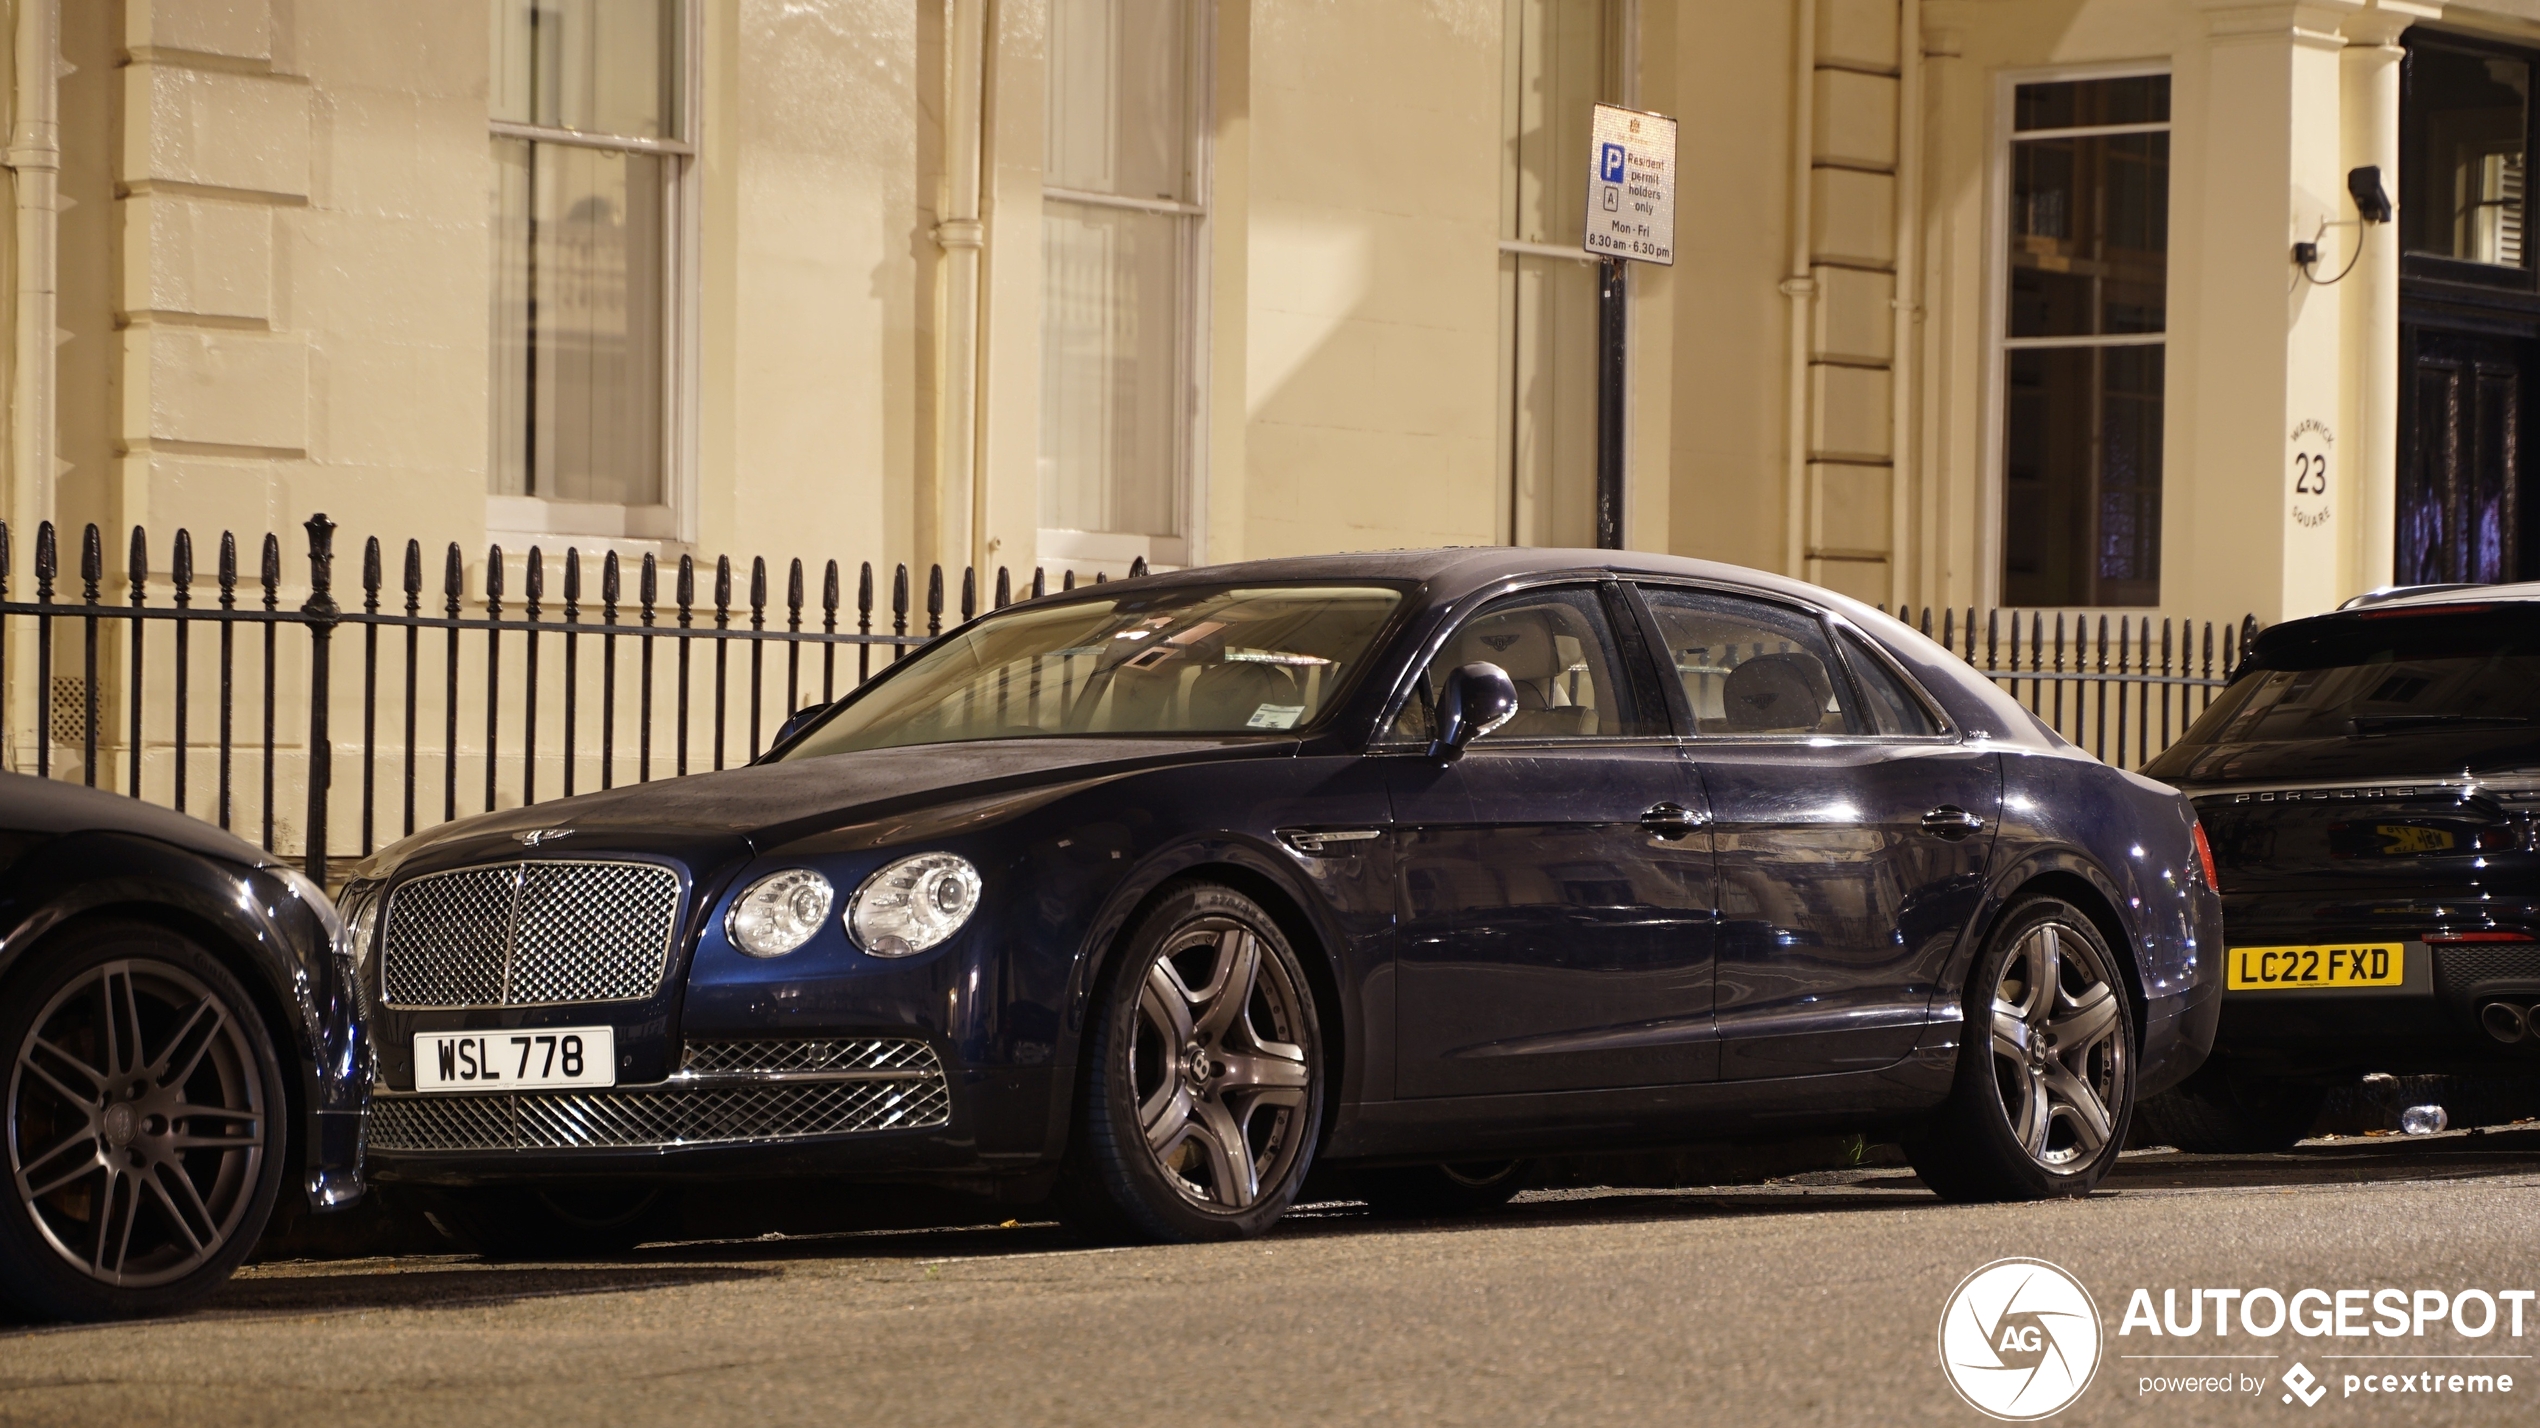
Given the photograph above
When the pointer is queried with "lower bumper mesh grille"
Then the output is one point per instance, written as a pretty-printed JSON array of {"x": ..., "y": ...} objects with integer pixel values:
[{"x": 662, "y": 1117}]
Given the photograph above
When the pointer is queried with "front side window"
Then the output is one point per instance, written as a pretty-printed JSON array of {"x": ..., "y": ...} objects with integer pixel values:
[
  {"x": 1122, "y": 201},
  {"x": 2086, "y": 312},
  {"x": 1212, "y": 660},
  {"x": 1558, "y": 648},
  {"x": 588, "y": 146}
]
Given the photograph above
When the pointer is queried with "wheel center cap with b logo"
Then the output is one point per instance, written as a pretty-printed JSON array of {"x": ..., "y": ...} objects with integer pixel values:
[{"x": 2019, "y": 1339}]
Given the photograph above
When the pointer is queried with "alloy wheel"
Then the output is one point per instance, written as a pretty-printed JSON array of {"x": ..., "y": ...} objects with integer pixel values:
[
  {"x": 2059, "y": 1047},
  {"x": 1218, "y": 1067},
  {"x": 136, "y": 1123}
]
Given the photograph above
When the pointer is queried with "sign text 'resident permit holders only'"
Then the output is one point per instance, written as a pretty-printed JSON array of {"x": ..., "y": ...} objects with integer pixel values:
[{"x": 1631, "y": 192}]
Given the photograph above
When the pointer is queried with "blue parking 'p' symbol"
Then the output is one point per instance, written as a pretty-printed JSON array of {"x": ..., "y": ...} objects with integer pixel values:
[{"x": 1609, "y": 164}]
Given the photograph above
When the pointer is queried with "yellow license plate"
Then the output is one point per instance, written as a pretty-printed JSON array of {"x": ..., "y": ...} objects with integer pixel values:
[{"x": 2275, "y": 969}]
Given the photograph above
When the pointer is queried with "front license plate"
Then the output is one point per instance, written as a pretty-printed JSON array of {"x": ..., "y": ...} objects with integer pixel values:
[
  {"x": 516, "y": 1060},
  {"x": 2276, "y": 969}
]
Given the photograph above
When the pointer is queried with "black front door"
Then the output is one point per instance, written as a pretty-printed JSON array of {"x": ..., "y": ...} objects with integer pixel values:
[
  {"x": 2462, "y": 516},
  {"x": 1556, "y": 895}
]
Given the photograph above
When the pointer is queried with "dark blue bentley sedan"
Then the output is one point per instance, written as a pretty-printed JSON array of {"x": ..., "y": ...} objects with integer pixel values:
[{"x": 1148, "y": 896}]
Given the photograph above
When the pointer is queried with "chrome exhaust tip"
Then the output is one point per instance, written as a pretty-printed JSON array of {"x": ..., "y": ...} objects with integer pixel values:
[{"x": 2505, "y": 1022}]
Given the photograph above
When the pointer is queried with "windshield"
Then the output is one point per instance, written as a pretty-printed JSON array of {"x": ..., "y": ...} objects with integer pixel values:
[
  {"x": 1186, "y": 661},
  {"x": 2387, "y": 675}
]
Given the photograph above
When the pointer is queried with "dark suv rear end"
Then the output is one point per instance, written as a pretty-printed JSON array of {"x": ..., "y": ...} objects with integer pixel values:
[{"x": 2370, "y": 787}]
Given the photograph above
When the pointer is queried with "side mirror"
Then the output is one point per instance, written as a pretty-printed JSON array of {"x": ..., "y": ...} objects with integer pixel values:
[
  {"x": 1477, "y": 699},
  {"x": 795, "y": 723}
]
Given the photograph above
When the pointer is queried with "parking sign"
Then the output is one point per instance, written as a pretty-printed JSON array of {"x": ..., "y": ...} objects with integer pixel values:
[{"x": 1631, "y": 198}]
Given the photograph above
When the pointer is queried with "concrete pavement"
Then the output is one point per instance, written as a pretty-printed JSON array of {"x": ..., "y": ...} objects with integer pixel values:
[{"x": 1810, "y": 1300}]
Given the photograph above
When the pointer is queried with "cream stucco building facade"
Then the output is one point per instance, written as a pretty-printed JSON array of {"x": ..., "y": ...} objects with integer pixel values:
[{"x": 1070, "y": 282}]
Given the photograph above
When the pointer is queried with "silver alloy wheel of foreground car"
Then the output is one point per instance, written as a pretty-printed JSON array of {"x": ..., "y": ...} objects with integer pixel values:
[
  {"x": 2059, "y": 1046},
  {"x": 137, "y": 1123},
  {"x": 1217, "y": 1067}
]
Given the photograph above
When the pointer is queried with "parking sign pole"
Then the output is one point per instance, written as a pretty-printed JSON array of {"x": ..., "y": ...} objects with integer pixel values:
[
  {"x": 1610, "y": 315},
  {"x": 1631, "y": 218}
]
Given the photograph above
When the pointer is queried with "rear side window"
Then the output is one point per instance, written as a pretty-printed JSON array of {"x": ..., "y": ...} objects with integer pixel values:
[
  {"x": 1753, "y": 668},
  {"x": 2381, "y": 673},
  {"x": 1891, "y": 706}
]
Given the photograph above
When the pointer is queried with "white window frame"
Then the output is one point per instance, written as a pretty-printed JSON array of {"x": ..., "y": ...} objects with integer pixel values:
[
  {"x": 674, "y": 520},
  {"x": 1999, "y": 344},
  {"x": 1058, "y": 548}
]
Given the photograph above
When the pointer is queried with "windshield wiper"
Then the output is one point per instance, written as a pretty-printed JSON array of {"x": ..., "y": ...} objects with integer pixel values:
[{"x": 2366, "y": 725}]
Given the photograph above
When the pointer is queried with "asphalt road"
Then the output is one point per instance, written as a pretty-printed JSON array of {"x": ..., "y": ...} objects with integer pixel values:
[{"x": 1812, "y": 1300}]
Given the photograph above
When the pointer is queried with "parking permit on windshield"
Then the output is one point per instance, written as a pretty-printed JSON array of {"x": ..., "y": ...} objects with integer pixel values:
[
  {"x": 2273, "y": 969},
  {"x": 1275, "y": 716}
]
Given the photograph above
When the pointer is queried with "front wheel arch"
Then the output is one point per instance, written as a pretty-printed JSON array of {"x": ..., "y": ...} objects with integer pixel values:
[{"x": 1314, "y": 954}]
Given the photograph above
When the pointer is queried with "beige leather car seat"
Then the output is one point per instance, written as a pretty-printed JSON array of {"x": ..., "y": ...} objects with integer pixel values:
[
  {"x": 1783, "y": 693},
  {"x": 1524, "y": 642}
]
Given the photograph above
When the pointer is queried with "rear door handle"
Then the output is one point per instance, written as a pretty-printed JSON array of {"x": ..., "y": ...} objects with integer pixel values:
[
  {"x": 1951, "y": 822},
  {"x": 1671, "y": 820}
]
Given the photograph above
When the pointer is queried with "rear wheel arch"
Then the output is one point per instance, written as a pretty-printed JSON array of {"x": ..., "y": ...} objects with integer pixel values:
[{"x": 2095, "y": 902}]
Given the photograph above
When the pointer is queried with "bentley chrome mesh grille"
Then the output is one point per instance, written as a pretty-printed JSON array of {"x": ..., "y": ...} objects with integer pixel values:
[
  {"x": 591, "y": 931},
  {"x": 796, "y": 1055},
  {"x": 523, "y": 934},
  {"x": 642, "y": 1118}
]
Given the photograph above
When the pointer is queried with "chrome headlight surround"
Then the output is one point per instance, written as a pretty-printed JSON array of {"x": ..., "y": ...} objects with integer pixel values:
[
  {"x": 779, "y": 912},
  {"x": 913, "y": 904}
]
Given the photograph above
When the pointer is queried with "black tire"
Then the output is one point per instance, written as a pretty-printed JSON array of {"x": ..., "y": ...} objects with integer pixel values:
[
  {"x": 1211, "y": 1138},
  {"x": 2226, "y": 1109},
  {"x": 558, "y": 1222},
  {"x": 1439, "y": 1191},
  {"x": 146, "y": 1125},
  {"x": 2045, "y": 1084}
]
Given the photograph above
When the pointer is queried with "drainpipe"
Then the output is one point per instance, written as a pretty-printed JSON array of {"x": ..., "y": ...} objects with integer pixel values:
[
  {"x": 961, "y": 484},
  {"x": 1801, "y": 286},
  {"x": 35, "y": 166},
  {"x": 1902, "y": 371}
]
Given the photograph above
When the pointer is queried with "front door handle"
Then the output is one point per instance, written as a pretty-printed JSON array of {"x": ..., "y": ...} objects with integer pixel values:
[
  {"x": 1951, "y": 822},
  {"x": 1671, "y": 820}
]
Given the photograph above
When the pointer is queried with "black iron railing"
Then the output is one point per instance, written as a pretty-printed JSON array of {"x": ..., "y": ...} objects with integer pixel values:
[
  {"x": 2111, "y": 684},
  {"x": 615, "y": 672},
  {"x": 423, "y": 700}
]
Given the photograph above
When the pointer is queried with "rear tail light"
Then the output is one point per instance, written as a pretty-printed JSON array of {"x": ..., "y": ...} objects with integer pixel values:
[
  {"x": 2205, "y": 856},
  {"x": 2482, "y": 935}
]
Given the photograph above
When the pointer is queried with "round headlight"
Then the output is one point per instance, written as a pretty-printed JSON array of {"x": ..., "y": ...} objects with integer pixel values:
[
  {"x": 779, "y": 912},
  {"x": 913, "y": 904}
]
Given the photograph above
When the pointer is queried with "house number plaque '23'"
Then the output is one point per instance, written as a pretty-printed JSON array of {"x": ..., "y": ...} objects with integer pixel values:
[{"x": 2309, "y": 459}]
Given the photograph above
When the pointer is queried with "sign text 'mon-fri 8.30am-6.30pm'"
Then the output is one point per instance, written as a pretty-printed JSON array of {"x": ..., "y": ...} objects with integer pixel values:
[{"x": 1631, "y": 191}]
